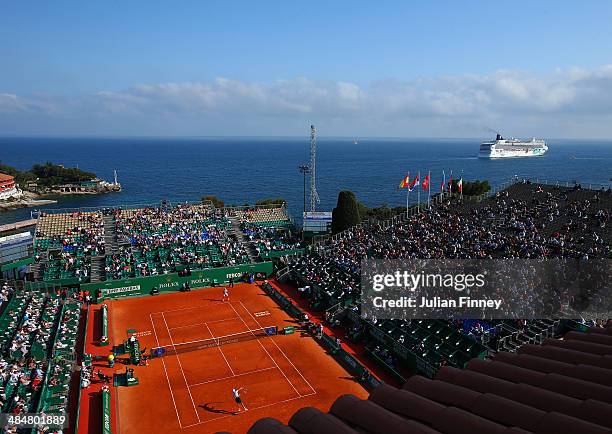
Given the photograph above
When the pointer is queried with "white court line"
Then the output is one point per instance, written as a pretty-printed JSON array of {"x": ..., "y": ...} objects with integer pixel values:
[
  {"x": 185, "y": 308},
  {"x": 233, "y": 376},
  {"x": 264, "y": 348},
  {"x": 220, "y": 350},
  {"x": 166, "y": 372},
  {"x": 253, "y": 408},
  {"x": 282, "y": 352},
  {"x": 176, "y": 310},
  {"x": 181, "y": 367},
  {"x": 200, "y": 323}
]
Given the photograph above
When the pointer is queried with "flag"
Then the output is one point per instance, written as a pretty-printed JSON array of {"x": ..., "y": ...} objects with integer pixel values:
[
  {"x": 450, "y": 183},
  {"x": 460, "y": 185},
  {"x": 413, "y": 183},
  {"x": 443, "y": 184},
  {"x": 405, "y": 181},
  {"x": 425, "y": 184}
]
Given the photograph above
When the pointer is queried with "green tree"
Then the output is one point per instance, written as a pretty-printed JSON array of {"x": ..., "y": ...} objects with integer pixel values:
[
  {"x": 277, "y": 201},
  {"x": 217, "y": 203},
  {"x": 472, "y": 188},
  {"x": 9, "y": 170},
  {"x": 364, "y": 211},
  {"x": 346, "y": 212},
  {"x": 50, "y": 174}
]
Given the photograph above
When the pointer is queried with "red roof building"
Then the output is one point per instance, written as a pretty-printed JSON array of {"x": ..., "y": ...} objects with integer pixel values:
[{"x": 7, "y": 182}]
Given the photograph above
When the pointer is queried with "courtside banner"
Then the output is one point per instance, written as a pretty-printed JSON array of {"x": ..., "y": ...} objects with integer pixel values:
[{"x": 486, "y": 288}]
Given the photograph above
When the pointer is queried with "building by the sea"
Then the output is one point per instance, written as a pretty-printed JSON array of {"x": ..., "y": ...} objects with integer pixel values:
[
  {"x": 8, "y": 187},
  {"x": 93, "y": 186}
]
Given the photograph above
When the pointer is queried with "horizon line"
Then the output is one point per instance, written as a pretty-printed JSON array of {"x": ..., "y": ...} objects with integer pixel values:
[{"x": 296, "y": 137}]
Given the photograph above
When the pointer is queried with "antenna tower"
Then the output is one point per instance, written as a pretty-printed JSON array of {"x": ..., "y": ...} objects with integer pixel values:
[{"x": 314, "y": 196}]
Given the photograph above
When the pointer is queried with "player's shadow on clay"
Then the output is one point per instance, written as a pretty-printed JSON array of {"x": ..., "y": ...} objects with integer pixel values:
[{"x": 208, "y": 407}]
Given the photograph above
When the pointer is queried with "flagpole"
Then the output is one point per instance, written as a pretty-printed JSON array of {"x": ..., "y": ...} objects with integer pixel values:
[
  {"x": 443, "y": 183},
  {"x": 429, "y": 189},
  {"x": 407, "y": 195},
  {"x": 407, "y": 200},
  {"x": 419, "y": 192}
]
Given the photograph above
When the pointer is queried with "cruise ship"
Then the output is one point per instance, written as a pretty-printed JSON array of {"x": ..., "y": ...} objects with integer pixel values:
[{"x": 502, "y": 148}]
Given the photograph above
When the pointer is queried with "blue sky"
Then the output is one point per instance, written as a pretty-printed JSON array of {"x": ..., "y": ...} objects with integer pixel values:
[{"x": 435, "y": 68}]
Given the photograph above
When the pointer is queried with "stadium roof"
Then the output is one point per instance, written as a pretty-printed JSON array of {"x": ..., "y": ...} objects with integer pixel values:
[{"x": 562, "y": 386}]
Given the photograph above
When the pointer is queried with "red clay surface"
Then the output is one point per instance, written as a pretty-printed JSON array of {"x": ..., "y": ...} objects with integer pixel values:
[{"x": 191, "y": 392}]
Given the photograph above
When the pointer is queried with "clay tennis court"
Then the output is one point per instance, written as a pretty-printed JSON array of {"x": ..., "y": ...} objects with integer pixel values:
[{"x": 189, "y": 389}]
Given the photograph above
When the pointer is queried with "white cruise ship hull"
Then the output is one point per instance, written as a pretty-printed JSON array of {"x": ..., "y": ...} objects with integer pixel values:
[
  {"x": 502, "y": 153},
  {"x": 512, "y": 148}
]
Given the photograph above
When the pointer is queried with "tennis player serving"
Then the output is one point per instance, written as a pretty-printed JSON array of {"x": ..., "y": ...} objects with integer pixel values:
[{"x": 238, "y": 399}]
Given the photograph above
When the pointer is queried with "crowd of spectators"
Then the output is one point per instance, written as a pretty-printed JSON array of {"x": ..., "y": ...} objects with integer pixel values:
[
  {"x": 155, "y": 240},
  {"x": 525, "y": 221},
  {"x": 66, "y": 333},
  {"x": 36, "y": 330},
  {"x": 268, "y": 239},
  {"x": 161, "y": 238},
  {"x": 21, "y": 368},
  {"x": 72, "y": 232},
  {"x": 168, "y": 226},
  {"x": 5, "y": 294},
  {"x": 19, "y": 380},
  {"x": 66, "y": 242},
  {"x": 31, "y": 327}
]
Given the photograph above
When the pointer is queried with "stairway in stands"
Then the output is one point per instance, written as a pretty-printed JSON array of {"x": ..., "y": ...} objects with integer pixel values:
[
  {"x": 110, "y": 242},
  {"x": 37, "y": 267},
  {"x": 97, "y": 268},
  {"x": 110, "y": 234},
  {"x": 237, "y": 233}
]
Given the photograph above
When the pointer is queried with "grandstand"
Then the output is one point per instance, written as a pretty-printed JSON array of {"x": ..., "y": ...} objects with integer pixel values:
[
  {"x": 430, "y": 376},
  {"x": 80, "y": 247},
  {"x": 67, "y": 224},
  {"x": 37, "y": 349},
  {"x": 271, "y": 239},
  {"x": 261, "y": 215},
  {"x": 525, "y": 220}
]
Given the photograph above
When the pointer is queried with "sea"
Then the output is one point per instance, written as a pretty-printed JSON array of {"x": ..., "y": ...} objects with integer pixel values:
[{"x": 242, "y": 170}]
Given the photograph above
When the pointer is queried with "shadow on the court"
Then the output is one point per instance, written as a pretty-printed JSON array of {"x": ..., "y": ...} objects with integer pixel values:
[{"x": 208, "y": 407}]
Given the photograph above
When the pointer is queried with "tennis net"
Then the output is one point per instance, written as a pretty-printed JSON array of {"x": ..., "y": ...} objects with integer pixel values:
[{"x": 213, "y": 342}]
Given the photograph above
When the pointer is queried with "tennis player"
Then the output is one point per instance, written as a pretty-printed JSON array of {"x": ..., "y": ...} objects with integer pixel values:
[
  {"x": 238, "y": 399},
  {"x": 225, "y": 294}
]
